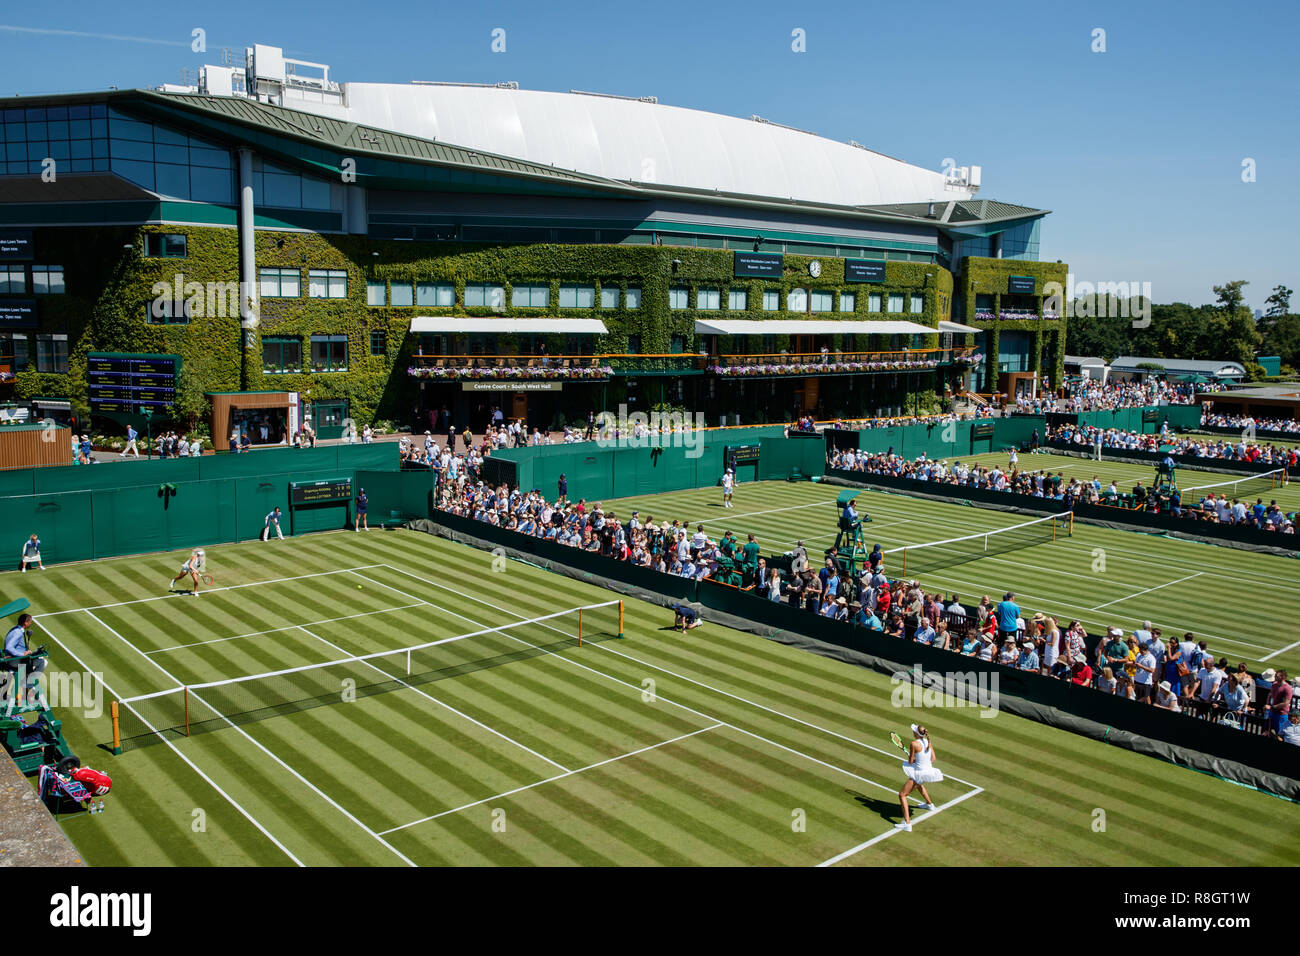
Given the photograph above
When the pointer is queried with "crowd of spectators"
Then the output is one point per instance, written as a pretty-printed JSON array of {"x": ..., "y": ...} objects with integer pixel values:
[
  {"x": 1086, "y": 436},
  {"x": 1211, "y": 507},
  {"x": 1282, "y": 426},
  {"x": 1179, "y": 675},
  {"x": 1090, "y": 395}
]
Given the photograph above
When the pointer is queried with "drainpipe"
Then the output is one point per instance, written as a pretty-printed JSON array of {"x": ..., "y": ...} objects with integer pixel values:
[{"x": 249, "y": 306}]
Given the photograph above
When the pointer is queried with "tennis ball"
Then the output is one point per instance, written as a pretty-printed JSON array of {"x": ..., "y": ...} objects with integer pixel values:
[{"x": 359, "y": 587}]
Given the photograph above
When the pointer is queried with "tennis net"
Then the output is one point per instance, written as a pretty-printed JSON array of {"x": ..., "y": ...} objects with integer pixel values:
[
  {"x": 1261, "y": 484},
  {"x": 198, "y": 708},
  {"x": 933, "y": 555}
]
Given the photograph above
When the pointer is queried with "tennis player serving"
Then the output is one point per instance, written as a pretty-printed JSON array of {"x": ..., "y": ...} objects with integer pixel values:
[
  {"x": 919, "y": 771},
  {"x": 194, "y": 567}
]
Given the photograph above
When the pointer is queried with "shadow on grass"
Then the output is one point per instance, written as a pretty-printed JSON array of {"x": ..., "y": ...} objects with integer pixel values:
[{"x": 888, "y": 810}]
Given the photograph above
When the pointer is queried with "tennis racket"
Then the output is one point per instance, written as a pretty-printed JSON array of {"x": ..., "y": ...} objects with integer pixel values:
[
  {"x": 897, "y": 742},
  {"x": 206, "y": 579}
]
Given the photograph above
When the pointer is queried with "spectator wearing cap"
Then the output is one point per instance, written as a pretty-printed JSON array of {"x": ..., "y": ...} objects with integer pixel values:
[
  {"x": 1166, "y": 698},
  {"x": 1028, "y": 660},
  {"x": 1144, "y": 678},
  {"x": 1082, "y": 671},
  {"x": 1008, "y": 616},
  {"x": 1279, "y": 701}
]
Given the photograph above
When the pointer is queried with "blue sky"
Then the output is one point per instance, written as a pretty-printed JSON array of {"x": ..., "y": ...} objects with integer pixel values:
[{"x": 1138, "y": 151}]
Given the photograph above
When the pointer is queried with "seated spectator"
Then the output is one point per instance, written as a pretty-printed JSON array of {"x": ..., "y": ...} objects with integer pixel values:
[{"x": 1166, "y": 698}]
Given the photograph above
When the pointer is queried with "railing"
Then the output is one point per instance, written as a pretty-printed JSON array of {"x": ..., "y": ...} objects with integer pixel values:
[
  {"x": 598, "y": 366},
  {"x": 1012, "y": 315}
]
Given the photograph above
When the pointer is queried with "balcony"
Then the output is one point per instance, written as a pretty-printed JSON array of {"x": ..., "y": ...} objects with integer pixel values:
[
  {"x": 1015, "y": 315},
  {"x": 840, "y": 362},
  {"x": 599, "y": 368}
]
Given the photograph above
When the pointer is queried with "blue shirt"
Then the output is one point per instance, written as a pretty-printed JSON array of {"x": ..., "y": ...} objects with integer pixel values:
[
  {"x": 1028, "y": 661},
  {"x": 16, "y": 642},
  {"x": 925, "y": 634},
  {"x": 272, "y": 518},
  {"x": 32, "y": 547},
  {"x": 1008, "y": 615}
]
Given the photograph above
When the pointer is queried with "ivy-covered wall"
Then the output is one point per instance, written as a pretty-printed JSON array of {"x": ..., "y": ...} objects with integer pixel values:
[
  {"x": 983, "y": 276},
  {"x": 109, "y": 289}
]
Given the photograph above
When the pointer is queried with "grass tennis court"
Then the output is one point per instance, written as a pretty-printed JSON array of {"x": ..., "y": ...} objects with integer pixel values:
[
  {"x": 1243, "y": 603},
  {"x": 713, "y": 748}
]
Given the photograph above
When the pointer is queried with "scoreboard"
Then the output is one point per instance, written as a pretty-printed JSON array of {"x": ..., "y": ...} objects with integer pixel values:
[
  {"x": 129, "y": 383},
  {"x": 319, "y": 492}
]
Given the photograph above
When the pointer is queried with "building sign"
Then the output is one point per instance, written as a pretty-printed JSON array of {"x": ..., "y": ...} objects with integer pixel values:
[
  {"x": 317, "y": 492},
  {"x": 863, "y": 270},
  {"x": 16, "y": 245},
  {"x": 130, "y": 383},
  {"x": 522, "y": 386},
  {"x": 763, "y": 265},
  {"x": 18, "y": 314},
  {"x": 1022, "y": 285}
]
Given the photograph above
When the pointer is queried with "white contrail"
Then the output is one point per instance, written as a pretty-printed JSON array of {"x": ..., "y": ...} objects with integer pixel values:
[{"x": 92, "y": 36}]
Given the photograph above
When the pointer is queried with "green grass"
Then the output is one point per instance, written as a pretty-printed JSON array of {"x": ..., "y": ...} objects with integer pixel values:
[
  {"x": 713, "y": 748},
  {"x": 1099, "y": 576}
]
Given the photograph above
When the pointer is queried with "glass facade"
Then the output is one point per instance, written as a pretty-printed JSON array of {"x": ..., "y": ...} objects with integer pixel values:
[{"x": 1013, "y": 350}]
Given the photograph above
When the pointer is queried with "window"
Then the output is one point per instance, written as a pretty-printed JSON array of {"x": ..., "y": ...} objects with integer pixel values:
[
  {"x": 530, "y": 296},
  {"x": 402, "y": 294},
  {"x": 633, "y": 299},
  {"x": 797, "y": 300},
  {"x": 13, "y": 280},
  {"x": 379, "y": 342},
  {"x": 895, "y": 302},
  {"x": 822, "y": 301},
  {"x": 608, "y": 297},
  {"x": 580, "y": 296},
  {"x": 327, "y": 284},
  {"x": 52, "y": 353},
  {"x": 13, "y": 351},
  {"x": 484, "y": 296},
  {"x": 678, "y": 298},
  {"x": 329, "y": 353},
  {"x": 281, "y": 354},
  {"x": 710, "y": 299},
  {"x": 918, "y": 303},
  {"x": 848, "y": 301},
  {"x": 634, "y": 345},
  {"x": 771, "y": 300},
  {"x": 280, "y": 283},
  {"x": 437, "y": 294},
  {"x": 161, "y": 245},
  {"x": 677, "y": 345},
  {"x": 376, "y": 293},
  {"x": 166, "y": 311},
  {"x": 873, "y": 302},
  {"x": 737, "y": 300},
  {"x": 47, "y": 280}
]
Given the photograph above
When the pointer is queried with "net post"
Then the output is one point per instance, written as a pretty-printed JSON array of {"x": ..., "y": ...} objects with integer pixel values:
[
  {"x": 185, "y": 692},
  {"x": 620, "y": 620},
  {"x": 579, "y": 627},
  {"x": 117, "y": 729}
]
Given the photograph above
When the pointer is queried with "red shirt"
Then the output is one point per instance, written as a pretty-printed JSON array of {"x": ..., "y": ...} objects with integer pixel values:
[{"x": 1083, "y": 675}]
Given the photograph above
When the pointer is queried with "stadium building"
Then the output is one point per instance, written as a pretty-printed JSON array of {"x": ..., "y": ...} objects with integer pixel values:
[{"x": 387, "y": 251}]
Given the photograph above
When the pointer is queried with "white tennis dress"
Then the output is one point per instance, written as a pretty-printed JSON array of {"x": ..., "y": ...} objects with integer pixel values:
[{"x": 921, "y": 770}]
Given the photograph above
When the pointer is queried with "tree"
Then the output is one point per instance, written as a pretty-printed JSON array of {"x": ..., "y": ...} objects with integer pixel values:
[
  {"x": 1279, "y": 303},
  {"x": 1232, "y": 295}
]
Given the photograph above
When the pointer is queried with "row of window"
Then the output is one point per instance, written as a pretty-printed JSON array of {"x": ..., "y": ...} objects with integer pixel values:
[
  {"x": 329, "y": 353},
  {"x": 46, "y": 280},
  {"x": 796, "y": 300},
  {"x": 51, "y": 352}
]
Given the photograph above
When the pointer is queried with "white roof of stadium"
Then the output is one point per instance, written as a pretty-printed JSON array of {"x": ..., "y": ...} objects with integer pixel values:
[{"x": 640, "y": 142}]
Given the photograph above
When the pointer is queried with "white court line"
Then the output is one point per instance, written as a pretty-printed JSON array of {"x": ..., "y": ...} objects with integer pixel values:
[
  {"x": 637, "y": 689},
  {"x": 559, "y": 776},
  {"x": 750, "y": 514},
  {"x": 255, "y": 743},
  {"x": 435, "y": 700},
  {"x": 1130, "y": 597},
  {"x": 229, "y": 587},
  {"x": 888, "y": 833},
  {"x": 208, "y": 780},
  {"x": 1281, "y": 650},
  {"x": 287, "y": 627}
]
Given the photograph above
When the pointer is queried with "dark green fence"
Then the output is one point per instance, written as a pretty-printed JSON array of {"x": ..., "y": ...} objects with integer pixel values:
[{"x": 98, "y": 511}]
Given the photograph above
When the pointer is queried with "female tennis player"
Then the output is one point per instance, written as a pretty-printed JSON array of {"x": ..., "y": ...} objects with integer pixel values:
[
  {"x": 193, "y": 567},
  {"x": 919, "y": 771}
]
